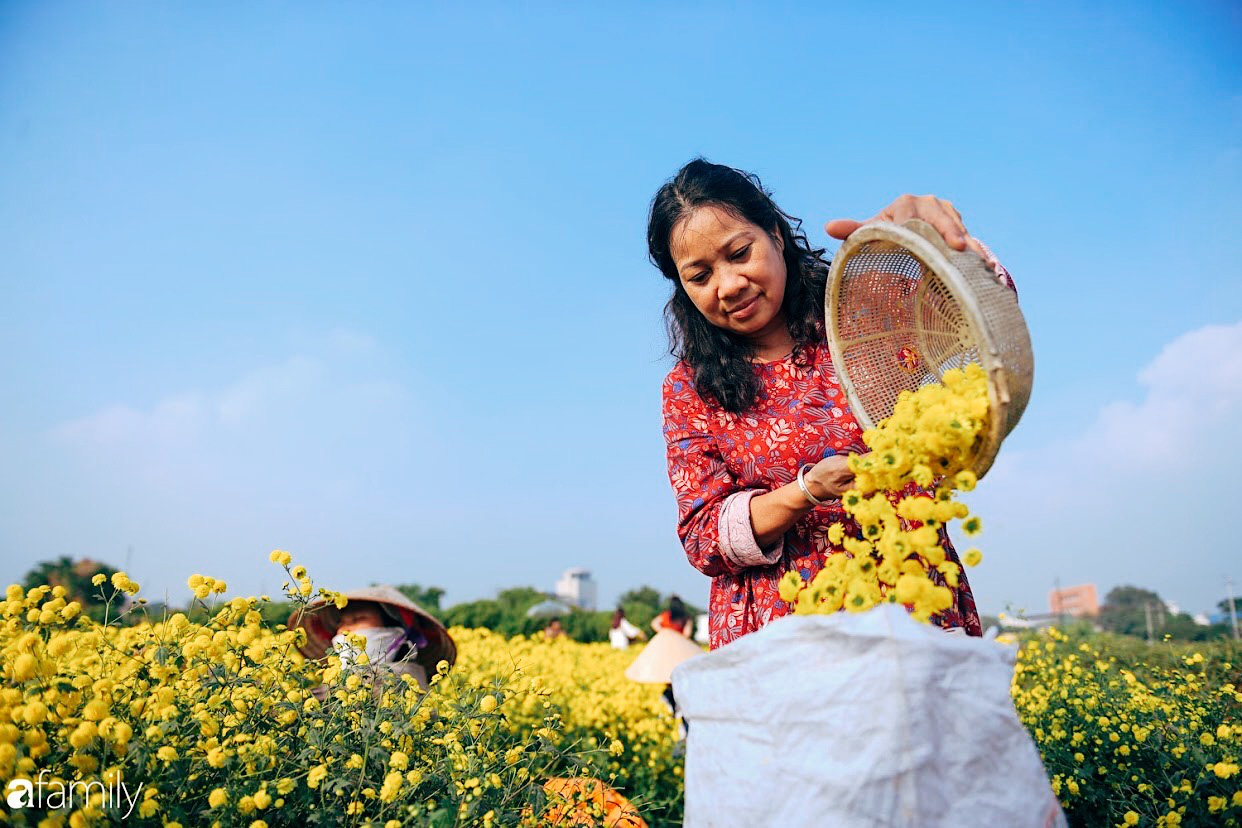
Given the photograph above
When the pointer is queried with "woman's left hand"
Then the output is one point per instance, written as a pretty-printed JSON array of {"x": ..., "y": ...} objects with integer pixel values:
[{"x": 938, "y": 212}]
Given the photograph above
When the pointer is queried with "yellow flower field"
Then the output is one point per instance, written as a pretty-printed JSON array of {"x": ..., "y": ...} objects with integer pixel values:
[
  {"x": 1130, "y": 742},
  {"x": 215, "y": 724}
]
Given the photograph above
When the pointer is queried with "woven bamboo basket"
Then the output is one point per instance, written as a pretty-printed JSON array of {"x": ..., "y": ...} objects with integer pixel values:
[{"x": 902, "y": 308}]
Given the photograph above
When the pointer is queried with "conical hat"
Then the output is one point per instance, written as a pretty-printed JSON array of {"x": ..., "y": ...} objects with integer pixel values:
[
  {"x": 321, "y": 620},
  {"x": 655, "y": 663},
  {"x": 581, "y": 796}
]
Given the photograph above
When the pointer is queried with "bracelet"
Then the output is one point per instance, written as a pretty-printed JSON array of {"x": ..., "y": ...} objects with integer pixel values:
[{"x": 802, "y": 485}]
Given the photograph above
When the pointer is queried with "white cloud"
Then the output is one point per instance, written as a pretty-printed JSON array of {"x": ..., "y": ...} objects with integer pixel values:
[
  {"x": 1204, "y": 366},
  {"x": 172, "y": 420},
  {"x": 267, "y": 387},
  {"x": 185, "y": 416},
  {"x": 1138, "y": 493},
  {"x": 323, "y": 450}
]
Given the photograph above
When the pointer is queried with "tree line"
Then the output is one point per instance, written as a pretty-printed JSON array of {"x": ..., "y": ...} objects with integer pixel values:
[
  {"x": 504, "y": 614},
  {"x": 1127, "y": 610}
]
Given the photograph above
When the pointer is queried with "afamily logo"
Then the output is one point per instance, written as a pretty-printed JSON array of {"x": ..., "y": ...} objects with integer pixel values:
[{"x": 55, "y": 794}]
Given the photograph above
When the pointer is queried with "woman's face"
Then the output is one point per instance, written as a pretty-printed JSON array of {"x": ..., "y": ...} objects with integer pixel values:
[
  {"x": 732, "y": 270},
  {"x": 360, "y": 616}
]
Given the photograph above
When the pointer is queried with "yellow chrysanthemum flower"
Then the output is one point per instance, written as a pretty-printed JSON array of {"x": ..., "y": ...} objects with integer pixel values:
[
  {"x": 789, "y": 586},
  {"x": 316, "y": 776},
  {"x": 391, "y": 787}
]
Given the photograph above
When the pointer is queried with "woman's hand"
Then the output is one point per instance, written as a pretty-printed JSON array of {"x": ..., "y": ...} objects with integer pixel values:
[
  {"x": 774, "y": 513},
  {"x": 938, "y": 212},
  {"x": 830, "y": 478}
]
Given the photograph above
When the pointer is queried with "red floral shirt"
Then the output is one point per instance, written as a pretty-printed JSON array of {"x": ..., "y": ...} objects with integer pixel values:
[{"x": 718, "y": 460}]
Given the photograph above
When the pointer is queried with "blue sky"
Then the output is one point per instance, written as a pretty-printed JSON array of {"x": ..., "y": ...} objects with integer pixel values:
[{"x": 369, "y": 283}]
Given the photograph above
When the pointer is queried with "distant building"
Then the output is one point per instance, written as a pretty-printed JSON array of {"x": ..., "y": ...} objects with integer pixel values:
[
  {"x": 1077, "y": 601},
  {"x": 578, "y": 588},
  {"x": 1027, "y": 622}
]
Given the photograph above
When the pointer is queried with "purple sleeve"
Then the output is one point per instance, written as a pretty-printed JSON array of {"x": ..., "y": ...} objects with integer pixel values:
[{"x": 1001, "y": 270}]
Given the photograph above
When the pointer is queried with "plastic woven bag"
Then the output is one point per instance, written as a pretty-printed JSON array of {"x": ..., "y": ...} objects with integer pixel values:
[{"x": 859, "y": 721}]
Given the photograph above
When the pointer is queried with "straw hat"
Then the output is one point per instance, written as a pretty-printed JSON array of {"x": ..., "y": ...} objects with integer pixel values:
[
  {"x": 322, "y": 619},
  {"x": 579, "y": 795},
  {"x": 666, "y": 650}
]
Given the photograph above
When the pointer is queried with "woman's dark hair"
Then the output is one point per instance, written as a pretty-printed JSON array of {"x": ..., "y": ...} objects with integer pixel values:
[
  {"x": 721, "y": 360},
  {"x": 617, "y": 617},
  {"x": 676, "y": 609}
]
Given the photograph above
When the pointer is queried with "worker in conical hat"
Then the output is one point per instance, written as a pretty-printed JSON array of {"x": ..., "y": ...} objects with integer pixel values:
[
  {"x": 655, "y": 664},
  {"x": 399, "y": 633}
]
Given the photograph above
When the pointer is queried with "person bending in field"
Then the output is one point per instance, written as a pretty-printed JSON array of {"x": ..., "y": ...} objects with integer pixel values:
[
  {"x": 388, "y": 645},
  {"x": 395, "y": 635}
]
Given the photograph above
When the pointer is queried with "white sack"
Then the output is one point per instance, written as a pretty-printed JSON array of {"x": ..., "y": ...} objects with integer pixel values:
[{"x": 858, "y": 720}]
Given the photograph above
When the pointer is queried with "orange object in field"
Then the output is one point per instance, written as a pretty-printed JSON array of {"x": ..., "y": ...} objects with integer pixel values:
[{"x": 581, "y": 794}]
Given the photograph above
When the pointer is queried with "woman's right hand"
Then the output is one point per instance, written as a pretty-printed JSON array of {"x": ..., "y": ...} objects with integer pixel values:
[
  {"x": 774, "y": 513},
  {"x": 830, "y": 478}
]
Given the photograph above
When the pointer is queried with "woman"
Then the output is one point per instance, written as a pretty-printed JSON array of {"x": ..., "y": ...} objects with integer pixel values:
[
  {"x": 754, "y": 397},
  {"x": 553, "y": 630},
  {"x": 622, "y": 633},
  {"x": 401, "y": 636},
  {"x": 675, "y": 618}
]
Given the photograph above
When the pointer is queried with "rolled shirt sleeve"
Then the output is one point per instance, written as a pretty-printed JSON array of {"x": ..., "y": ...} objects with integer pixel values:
[
  {"x": 1001, "y": 270},
  {"x": 737, "y": 535}
]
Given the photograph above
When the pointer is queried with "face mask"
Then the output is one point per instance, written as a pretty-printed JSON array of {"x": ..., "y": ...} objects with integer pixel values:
[{"x": 380, "y": 647}]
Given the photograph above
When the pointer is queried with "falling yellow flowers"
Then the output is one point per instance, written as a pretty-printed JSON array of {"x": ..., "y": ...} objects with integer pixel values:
[{"x": 902, "y": 500}]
